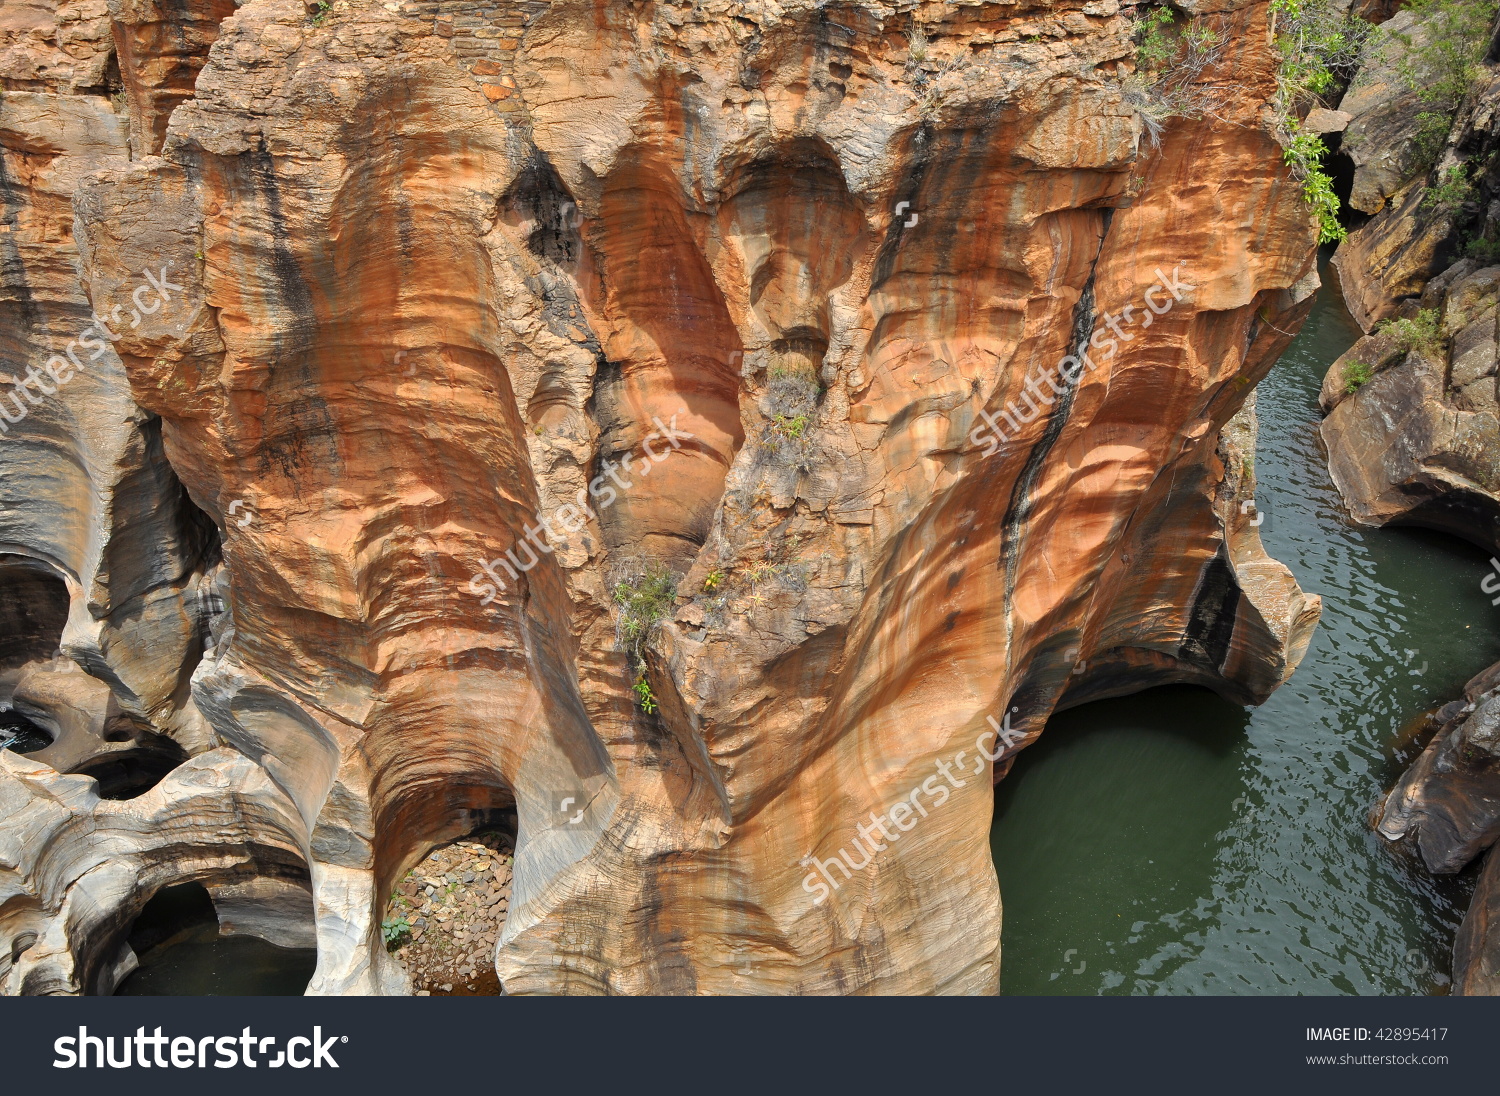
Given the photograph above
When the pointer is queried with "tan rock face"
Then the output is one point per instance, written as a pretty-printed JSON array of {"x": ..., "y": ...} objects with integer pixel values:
[
  {"x": 56, "y": 46},
  {"x": 485, "y": 315},
  {"x": 1392, "y": 256},
  {"x": 1413, "y": 437},
  {"x": 160, "y": 47},
  {"x": 1419, "y": 441},
  {"x": 88, "y": 506},
  {"x": 1383, "y": 112}
]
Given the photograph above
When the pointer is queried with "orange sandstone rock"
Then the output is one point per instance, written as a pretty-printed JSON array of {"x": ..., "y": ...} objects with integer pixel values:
[{"x": 725, "y": 290}]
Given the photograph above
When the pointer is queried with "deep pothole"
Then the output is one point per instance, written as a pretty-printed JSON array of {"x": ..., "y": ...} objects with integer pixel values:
[
  {"x": 238, "y": 938},
  {"x": 446, "y": 914},
  {"x": 20, "y": 735}
]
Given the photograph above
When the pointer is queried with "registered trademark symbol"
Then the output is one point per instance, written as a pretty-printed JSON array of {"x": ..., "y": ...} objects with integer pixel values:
[{"x": 343, "y": 1038}]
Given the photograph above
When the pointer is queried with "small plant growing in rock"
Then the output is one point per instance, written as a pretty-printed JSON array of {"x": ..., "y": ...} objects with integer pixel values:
[
  {"x": 1423, "y": 333},
  {"x": 395, "y": 931},
  {"x": 917, "y": 49},
  {"x": 1451, "y": 191},
  {"x": 1170, "y": 63},
  {"x": 1319, "y": 47},
  {"x": 1482, "y": 248},
  {"x": 643, "y": 695},
  {"x": 713, "y": 580},
  {"x": 319, "y": 11},
  {"x": 1153, "y": 48},
  {"x": 1304, "y": 153},
  {"x": 644, "y": 601},
  {"x": 791, "y": 401},
  {"x": 791, "y": 427},
  {"x": 1443, "y": 71},
  {"x": 1357, "y": 376}
]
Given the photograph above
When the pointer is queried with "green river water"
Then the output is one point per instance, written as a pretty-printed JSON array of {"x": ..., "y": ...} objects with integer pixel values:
[{"x": 1173, "y": 843}]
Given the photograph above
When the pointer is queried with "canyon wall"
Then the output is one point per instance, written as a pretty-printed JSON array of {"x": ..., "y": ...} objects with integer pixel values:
[
  {"x": 719, "y": 417},
  {"x": 1413, "y": 436}
]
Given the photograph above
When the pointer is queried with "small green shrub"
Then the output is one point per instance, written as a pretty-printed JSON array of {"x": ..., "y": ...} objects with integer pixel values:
[
  {"x": 644, "y": 601},
  {"x": 1319, "y": 47},
  {"x": 1170, "y": 66},
  {"x": 1485, "y": 250},
  {"x": 789, "y": 426},
  {"x": 1357, "y": 375},
  {"x": 1304, "y": 154},
  {"x": 1443, "y": 71},
  {"x": 395, "y": 931},
  {"x": 1423, "y": 334},
  {"x": 1451, "y": 191},
  {"x": 324, "y": 7},
  {"x": 644, "y": 696},
  {"x": 791, "y": 401},
  {"x": 1153, "y": 49},
  {"x": 713, "y": 580}
]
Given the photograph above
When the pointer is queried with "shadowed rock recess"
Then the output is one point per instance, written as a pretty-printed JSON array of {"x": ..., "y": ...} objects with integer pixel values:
[{"x": 574, "y": 409}]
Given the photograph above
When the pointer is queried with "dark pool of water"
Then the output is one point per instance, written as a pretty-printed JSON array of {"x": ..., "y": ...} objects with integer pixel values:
[
  {"x": 1173, "y": 843},
  {"x": 21, "y": 735},
  {"x": 206, "y": 965},
  {"x": 176, "y": 938}
]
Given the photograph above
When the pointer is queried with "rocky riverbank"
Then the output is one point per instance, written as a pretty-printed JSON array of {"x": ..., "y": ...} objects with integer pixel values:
[{"x": 1413, "y": 422}]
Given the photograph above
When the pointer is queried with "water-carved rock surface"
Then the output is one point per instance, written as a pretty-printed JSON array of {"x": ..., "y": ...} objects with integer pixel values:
[
  {"x": 481, "y": 315},
  {"x": 1413, "y": 428},
  {"x": 1413, "y": 437}
]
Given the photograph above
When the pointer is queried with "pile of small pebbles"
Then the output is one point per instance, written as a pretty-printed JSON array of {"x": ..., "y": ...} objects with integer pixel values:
[{"x": 455, "y": 902}]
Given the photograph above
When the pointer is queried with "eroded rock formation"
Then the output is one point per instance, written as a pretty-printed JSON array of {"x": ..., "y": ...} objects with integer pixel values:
[
  {"x": 484, "y": 313},
  {"x": 1414, "y": 234},
  {"x": 1413, "y": 437},
  {"x": 1447, "y": 804},
  {"x": 1413, "y": 427}
]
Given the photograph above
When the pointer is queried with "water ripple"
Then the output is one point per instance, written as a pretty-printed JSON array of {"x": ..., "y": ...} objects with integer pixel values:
[{"x": 1174, "y": 843}]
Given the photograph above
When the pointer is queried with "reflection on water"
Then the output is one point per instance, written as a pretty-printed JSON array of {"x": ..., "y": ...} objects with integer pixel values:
[{"x": 1171, "y": 842}]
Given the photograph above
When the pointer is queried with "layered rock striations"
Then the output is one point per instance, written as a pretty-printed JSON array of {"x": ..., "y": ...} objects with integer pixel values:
[{"x": 694, "y": 426}]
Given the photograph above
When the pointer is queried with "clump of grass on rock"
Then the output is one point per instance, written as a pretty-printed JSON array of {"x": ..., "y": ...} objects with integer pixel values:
[
  {"x": 791, "y": 403},
  {"x": 645, "y": 599}
]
